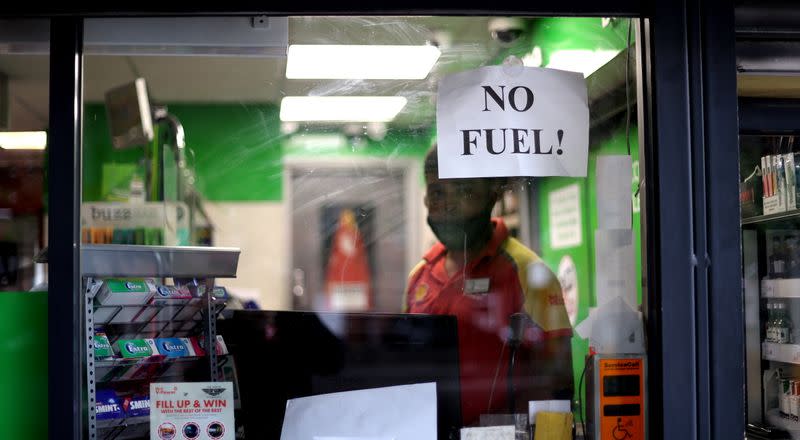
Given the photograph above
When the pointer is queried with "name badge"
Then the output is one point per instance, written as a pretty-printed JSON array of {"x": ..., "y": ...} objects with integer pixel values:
[{"x": 476, "y": 285}]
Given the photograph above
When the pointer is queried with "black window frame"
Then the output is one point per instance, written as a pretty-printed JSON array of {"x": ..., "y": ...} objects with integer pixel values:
[{"x": 687, "y": 115}]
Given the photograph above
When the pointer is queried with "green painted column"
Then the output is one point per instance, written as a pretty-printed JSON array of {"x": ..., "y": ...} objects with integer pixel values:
[{"x": 23, "y": 365}]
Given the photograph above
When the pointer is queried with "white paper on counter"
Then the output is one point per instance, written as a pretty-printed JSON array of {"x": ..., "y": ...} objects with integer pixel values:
[
  {"x": 615, "y": 266},
  {"x": 538, "y": 120},
  {"x": 614, "y": 177},
  {"x": 353, "y": 438},
  {"x": 406, "y": 412},
  {"x": 537, "y": 406},
  {"x": 489, "y": 433}
]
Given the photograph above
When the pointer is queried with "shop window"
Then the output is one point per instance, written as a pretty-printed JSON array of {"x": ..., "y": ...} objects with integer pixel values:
[
  {"x": 24, "y": 217},
  {"x": 276, "y": 181}
]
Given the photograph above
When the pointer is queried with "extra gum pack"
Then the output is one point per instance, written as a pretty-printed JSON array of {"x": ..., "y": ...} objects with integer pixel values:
[{"x": 126, "y": 292}]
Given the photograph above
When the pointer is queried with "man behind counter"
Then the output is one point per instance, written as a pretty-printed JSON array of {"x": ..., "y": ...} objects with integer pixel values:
[{"x": 480, "y": 274}]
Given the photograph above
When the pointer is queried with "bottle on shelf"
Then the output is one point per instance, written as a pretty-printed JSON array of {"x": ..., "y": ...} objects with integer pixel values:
[
  {"x": 783, "y": 394},
  {"x": 783, "y": 325},
  {"x": 784, "y": 387},
  {"x": 777, "y": 261},
  {"x": 770, "y": 323},
  {"x": 792, "y": 261}
]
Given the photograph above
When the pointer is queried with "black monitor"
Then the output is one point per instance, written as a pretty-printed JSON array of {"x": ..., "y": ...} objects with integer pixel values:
[
  {"x": 285, "y": 355},
  {"x": 130, "y": 118}
]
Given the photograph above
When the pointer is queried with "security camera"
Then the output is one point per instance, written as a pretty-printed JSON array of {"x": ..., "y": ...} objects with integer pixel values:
[
  {"x": 441, "y": 39},
  {"x": 506, "y": 30}
]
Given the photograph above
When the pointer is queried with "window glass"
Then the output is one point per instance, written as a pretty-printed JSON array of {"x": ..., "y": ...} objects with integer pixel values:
[
  {"x": 304, "y": 151},
  {"x": 24, "y": 215},
  {"x": 24, "y": 85}
]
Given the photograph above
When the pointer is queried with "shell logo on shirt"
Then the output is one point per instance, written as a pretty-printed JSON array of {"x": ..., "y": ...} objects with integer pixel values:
[{"x": 420, "y": 293}]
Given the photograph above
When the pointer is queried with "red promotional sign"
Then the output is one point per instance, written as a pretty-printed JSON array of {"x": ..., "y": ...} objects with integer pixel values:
[{"x": 191, "y": 410}]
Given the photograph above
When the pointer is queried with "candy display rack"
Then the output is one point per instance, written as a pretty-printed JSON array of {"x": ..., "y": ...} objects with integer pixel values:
[{"x": 192, "y": 317}]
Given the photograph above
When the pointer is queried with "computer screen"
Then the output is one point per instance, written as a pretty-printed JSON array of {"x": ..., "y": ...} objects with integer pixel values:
[
  {"x": 281, "y": 355},
  {"x": 130, "y": 120}
]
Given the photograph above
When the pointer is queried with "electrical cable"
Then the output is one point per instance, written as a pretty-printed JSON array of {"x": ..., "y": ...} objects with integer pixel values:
[
  {"x": 580, "y": 397},
  {"x": 496, "y": 371},
  {"x": 510, "y": 379}
]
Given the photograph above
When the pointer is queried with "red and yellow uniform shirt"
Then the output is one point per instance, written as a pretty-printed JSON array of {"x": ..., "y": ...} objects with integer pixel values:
[{"x": 483, "y": 296}]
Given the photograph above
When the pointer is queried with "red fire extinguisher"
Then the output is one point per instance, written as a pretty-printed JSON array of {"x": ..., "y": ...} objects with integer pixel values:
[{"x": 347, "y": 282}]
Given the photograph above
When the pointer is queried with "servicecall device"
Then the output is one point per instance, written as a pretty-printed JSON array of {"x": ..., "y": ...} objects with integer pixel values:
[{"x": 616, "y": 401}]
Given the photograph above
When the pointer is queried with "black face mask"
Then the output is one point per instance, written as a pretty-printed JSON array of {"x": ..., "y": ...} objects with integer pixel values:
[{"x": 472, "y": 231}]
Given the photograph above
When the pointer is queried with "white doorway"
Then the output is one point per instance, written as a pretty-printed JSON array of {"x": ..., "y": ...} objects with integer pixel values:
[{"x": 386, "y": 197}]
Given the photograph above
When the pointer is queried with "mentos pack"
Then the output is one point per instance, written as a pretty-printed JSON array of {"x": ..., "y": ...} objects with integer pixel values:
[
  {"x": 219, "y": 293},
  {"x": 172, "y": 347},
  {"x": 220, "y": 346},
  {"x": 108, "y": 405},
  {"x": 136, "y": 406},
  {"x": 135, "y": 348},
  {"x": 194, "y": 346},
  {"x": 171, "y": 294},
  {"x": 102, "y": 347}
]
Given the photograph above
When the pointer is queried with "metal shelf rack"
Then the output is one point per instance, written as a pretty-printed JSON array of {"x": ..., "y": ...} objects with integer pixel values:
[{"x": 196, "y": 266}]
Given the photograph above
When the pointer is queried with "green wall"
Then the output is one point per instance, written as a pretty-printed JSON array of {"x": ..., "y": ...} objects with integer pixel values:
[
  {"x": 23, "y": 365},
  {"x": 560, "y": 33},
  {"x": 583, "y": 255},
  {"x": 237, "y": 150},
  {"x": 552, "y": 34}
]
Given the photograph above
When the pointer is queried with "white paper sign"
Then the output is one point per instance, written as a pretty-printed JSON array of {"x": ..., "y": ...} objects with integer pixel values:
[
  {"x": 617, "y": 328},
  {"x": 191, "y": 410},
  {"x": 499, "y": 121},
  {"x": 614, "y": 176},
  {"x": 584, "y": 328},
  {"x": 615, "y": 266},
  {"x": 614, "y": 327},
  {"x": 564, "y": 209},
  {"x": 406, "y": 412}
]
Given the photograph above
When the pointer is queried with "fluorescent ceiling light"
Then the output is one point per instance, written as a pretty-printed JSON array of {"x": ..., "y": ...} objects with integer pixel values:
[
  {"x": 335, "y": 61},
  {"x": 23, "y": 140},
  {"x": 534, "y": 58},
  {"x": 333, "y": 141},
  {"x": 341, "y": 108},
  {"x": 581, "y": 60}
]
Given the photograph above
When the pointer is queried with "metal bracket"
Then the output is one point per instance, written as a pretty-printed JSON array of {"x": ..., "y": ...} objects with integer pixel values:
[
  {"x": 260, "y": 22},
  {"x": 209, "y": 315},
  {"x": 90, "y": 289}
]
